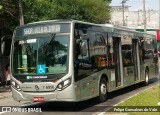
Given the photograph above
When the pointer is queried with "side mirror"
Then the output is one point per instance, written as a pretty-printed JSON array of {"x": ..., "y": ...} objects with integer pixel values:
[{"x": 6, "y": 45}]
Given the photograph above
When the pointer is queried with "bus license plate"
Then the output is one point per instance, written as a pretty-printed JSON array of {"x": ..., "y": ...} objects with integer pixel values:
[{"x": 39, "y": 99}]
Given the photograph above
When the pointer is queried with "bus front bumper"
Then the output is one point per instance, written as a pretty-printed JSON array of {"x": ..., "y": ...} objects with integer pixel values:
[{"x": 45, "y": 96}]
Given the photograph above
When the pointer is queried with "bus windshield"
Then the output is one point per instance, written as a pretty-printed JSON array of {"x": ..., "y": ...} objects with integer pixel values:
[{"x": 41, "y": 54}]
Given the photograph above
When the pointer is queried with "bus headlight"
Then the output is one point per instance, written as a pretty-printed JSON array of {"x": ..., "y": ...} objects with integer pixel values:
[
  {"x": 62, "y": 85},
  {"x": 15, "y": 85}
]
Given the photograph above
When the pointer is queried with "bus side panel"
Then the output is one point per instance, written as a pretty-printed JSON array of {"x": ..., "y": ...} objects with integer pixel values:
[
  {"x": 128, "y": 75},
  {"x": 150, "y": 51},
  {"x": 89, "y": 86}
]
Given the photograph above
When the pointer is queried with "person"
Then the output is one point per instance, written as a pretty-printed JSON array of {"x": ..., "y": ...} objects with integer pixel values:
[{"x": 7, "y": 75}]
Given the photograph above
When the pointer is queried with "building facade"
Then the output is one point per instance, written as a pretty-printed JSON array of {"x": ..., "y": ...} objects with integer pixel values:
[{"x": 134, "y": 19}]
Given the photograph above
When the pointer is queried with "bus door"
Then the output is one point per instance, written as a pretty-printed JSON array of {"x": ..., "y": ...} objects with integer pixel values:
[
  {"x": 118, "y": 61},
  {"x": 136, "y": 59}
]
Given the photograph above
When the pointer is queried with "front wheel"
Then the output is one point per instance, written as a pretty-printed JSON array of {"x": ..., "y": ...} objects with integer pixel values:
[{"x": 103, "y": 90}]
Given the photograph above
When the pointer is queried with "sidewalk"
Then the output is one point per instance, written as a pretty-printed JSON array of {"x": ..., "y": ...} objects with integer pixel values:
[
  {"x": 4, "y": 91},
  {"x": 6, "y": 94}
]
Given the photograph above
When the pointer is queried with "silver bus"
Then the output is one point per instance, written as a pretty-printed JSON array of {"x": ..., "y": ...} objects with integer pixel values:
[{"x": 70, "y": 60}]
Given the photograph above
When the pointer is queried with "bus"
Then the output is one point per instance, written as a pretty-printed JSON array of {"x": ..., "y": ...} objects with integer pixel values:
[{"x": 72, "y": 61}]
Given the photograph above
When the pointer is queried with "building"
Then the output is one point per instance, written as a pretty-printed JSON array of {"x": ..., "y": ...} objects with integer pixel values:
[{"x": 134, "y": 19}]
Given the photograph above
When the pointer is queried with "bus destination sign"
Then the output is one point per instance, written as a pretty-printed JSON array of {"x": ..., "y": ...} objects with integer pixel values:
[{"x": 41, "y": 29}]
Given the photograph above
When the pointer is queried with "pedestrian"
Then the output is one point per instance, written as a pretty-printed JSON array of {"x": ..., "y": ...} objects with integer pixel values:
[{"x": 7, "y": 75}]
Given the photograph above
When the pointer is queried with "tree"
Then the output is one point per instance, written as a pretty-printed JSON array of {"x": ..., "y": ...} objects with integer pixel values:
[
  {"x": 96, "y": 11},
  {"x": 38, "y": 10},
  {"x": 8, "y": 16},
  {"x": 21, "y": 18},
  {"x": 1, "y": 7}
]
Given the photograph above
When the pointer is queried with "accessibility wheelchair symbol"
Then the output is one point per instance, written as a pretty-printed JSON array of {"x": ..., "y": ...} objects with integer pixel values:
[{"x": 41, "y": 69}]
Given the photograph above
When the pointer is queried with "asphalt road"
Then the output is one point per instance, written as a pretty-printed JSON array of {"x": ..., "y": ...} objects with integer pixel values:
[{"x": 85, "y": 107}]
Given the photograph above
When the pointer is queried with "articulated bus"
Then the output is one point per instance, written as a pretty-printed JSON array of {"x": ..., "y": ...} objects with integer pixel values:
[{"x": 71, "y": 61}]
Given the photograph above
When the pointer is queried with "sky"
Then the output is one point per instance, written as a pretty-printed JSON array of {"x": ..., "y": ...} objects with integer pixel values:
[{"x": 138, "y": 4}]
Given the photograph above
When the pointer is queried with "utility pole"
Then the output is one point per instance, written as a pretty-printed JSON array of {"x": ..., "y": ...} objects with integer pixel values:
[
  {"x": 123, "y": 2},
  {"x": 126, "y": 21},
  {"x": 159, "y": 14},
  {"x": 21, "y": 19},
  {"x": 144, "y": 17},
  {"x": 138, "y": 17}
]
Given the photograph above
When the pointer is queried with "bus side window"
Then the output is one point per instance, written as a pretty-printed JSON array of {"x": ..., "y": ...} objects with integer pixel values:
[
  {"x": 127, "y": 54},
  {"x": 100, "y": 50},
  {"x": 83, "y": 54}
]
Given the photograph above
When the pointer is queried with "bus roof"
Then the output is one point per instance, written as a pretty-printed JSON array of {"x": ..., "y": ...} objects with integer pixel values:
[
  {"x": 63, "y": 21},
  {"x": 106, "y": 27}
]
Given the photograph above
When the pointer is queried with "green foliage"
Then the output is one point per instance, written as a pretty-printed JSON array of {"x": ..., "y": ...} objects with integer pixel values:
[
  {"x": 8, "y": 16},
  {"x": 95, "y": 11},
  {"x": 36, "y": 10},
  {"x": 1, "y": 7}
]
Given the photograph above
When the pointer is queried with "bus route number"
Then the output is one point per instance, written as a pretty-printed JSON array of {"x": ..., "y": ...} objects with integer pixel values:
[{"x": 48, "y": 87}]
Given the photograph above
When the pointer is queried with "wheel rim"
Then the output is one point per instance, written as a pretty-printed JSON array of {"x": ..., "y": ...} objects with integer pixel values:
[
  {"x": 147, "y": 77},
  {"x": 103, "y": 89}
]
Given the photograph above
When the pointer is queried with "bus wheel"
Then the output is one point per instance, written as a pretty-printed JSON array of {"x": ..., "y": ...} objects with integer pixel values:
[
  {"x": 146, "y": 78},
  {"x": 102, "y": 90}
]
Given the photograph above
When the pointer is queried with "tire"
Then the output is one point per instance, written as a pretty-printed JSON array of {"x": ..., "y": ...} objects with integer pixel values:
[
  {"x": 103, "y": 90},
  {"x": 146, "y": 82}
]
